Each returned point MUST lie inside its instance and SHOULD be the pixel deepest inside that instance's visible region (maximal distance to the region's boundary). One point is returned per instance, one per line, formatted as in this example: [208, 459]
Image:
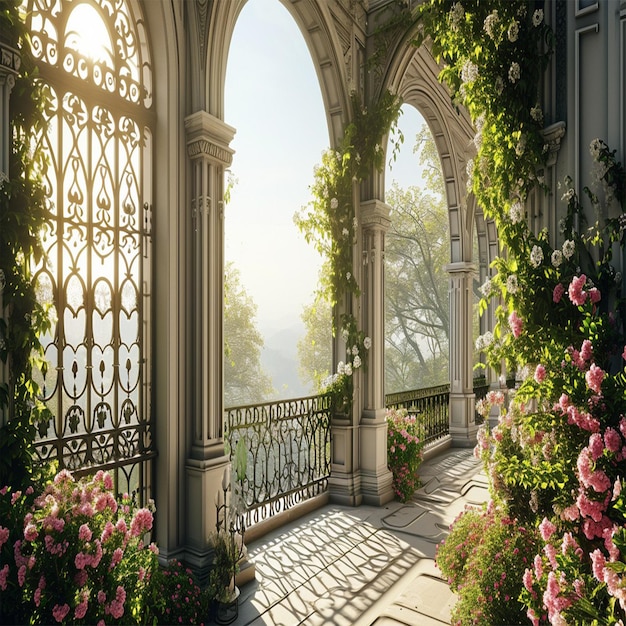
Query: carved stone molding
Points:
[552, 136]
[375, 213]
[209, 137]
[10, 59]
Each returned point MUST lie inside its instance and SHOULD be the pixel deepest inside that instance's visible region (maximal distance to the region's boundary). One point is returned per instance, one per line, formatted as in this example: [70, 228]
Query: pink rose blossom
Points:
[37, 596]
[594, 378]
[60, 611]
[540, 373]
[30, 532]
[107, 532]
[97, 557]
[596, 446]
[528, 580]
[81, 608]
[576, 294]
[4, 535]
[617, 489]
[558, 292]
[117, 557]
[101, 597]
[612, 440]
[624, 354]
[84, 533]
[546, 528]
[142, 521]
[4, 572]
[594, 295]
[516, 323]
[586, 350]
[63, 476]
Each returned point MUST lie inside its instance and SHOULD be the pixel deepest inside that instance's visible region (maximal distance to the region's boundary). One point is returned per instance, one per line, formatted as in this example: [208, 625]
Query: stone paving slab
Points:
[364, 566]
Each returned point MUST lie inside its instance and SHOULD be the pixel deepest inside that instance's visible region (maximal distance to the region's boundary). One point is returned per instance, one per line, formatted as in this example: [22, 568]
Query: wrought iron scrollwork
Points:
[288, 444]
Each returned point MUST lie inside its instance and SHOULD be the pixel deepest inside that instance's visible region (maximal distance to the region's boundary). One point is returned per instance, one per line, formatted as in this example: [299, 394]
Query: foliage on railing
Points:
[288, 444]
[431, 404]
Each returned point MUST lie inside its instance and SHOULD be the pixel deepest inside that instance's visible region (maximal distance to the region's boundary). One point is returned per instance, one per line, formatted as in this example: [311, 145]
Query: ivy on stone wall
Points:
[23, 215]
[329, 223]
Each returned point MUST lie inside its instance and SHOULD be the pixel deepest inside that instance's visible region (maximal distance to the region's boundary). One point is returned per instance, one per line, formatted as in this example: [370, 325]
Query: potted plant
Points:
[222, 588]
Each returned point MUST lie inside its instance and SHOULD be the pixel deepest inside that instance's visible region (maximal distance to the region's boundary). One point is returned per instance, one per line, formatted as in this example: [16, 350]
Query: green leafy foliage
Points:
[329, 223]
[23, 216]
[555, 459]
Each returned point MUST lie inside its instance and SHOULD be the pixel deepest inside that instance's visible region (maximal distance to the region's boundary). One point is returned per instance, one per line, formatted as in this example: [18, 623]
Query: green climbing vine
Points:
[329, 223]
[23, 215]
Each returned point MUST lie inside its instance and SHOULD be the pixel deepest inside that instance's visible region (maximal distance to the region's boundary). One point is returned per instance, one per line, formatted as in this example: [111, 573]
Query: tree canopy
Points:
[416, 299]
[244, 380]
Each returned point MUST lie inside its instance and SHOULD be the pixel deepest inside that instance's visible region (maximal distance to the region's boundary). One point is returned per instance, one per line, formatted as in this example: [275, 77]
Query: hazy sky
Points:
[274, 101]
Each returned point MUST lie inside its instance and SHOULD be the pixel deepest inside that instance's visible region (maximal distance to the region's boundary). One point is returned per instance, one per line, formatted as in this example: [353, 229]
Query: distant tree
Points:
[245, 382]
[315, 348]
[416, 298]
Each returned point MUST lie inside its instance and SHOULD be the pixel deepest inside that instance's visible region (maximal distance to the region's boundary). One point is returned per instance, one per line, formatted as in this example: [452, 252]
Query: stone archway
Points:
[412, 74]
[336, 46]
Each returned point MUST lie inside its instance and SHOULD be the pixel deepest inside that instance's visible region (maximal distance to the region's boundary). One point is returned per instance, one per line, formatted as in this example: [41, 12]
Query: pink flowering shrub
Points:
[404, 452]
[73, 554]
[176, 597]
[556, 458]
[484, 559]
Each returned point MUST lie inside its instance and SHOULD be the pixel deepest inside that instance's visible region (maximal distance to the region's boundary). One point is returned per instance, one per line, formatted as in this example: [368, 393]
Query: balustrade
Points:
[288, 447]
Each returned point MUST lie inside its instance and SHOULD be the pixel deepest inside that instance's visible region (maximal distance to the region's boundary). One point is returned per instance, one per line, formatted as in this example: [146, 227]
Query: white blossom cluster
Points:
[516, 212]
[513, 31]
[491, 23]
[484, 341]
[515, 72]
[569, 247]
[512, 285]
[536, 256]
[457, 14]
[469, 72]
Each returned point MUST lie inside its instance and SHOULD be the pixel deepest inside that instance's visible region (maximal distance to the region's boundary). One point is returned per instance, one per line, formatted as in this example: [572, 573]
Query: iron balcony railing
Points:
[288, 448]
[288, 444]
[431, 404]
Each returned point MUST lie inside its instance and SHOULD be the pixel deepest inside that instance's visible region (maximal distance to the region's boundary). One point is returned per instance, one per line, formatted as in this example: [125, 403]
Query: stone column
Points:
[208, 140]
[10, 62]
[462, 416]
[376, 479]
[344, 484]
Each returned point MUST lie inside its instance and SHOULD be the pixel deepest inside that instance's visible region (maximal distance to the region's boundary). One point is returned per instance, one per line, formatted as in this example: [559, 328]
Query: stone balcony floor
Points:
[366, 565]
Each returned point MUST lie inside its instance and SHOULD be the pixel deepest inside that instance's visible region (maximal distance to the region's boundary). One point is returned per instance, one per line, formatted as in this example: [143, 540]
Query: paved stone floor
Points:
[362, 566]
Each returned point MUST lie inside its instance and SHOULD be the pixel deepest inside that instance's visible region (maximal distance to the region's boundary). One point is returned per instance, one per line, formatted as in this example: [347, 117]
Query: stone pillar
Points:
[208, 140]
[463, 427]
[10, 62]
[344, 484]
[376, 479]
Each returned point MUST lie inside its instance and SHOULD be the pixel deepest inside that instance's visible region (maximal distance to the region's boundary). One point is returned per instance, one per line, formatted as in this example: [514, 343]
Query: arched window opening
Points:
[417, 318]
[93, 58]
[276, 106]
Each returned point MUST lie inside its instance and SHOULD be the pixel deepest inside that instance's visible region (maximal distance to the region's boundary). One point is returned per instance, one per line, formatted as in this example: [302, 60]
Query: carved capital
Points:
[375, 215]
[209, 137]
[552, 136]
[10, 60]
